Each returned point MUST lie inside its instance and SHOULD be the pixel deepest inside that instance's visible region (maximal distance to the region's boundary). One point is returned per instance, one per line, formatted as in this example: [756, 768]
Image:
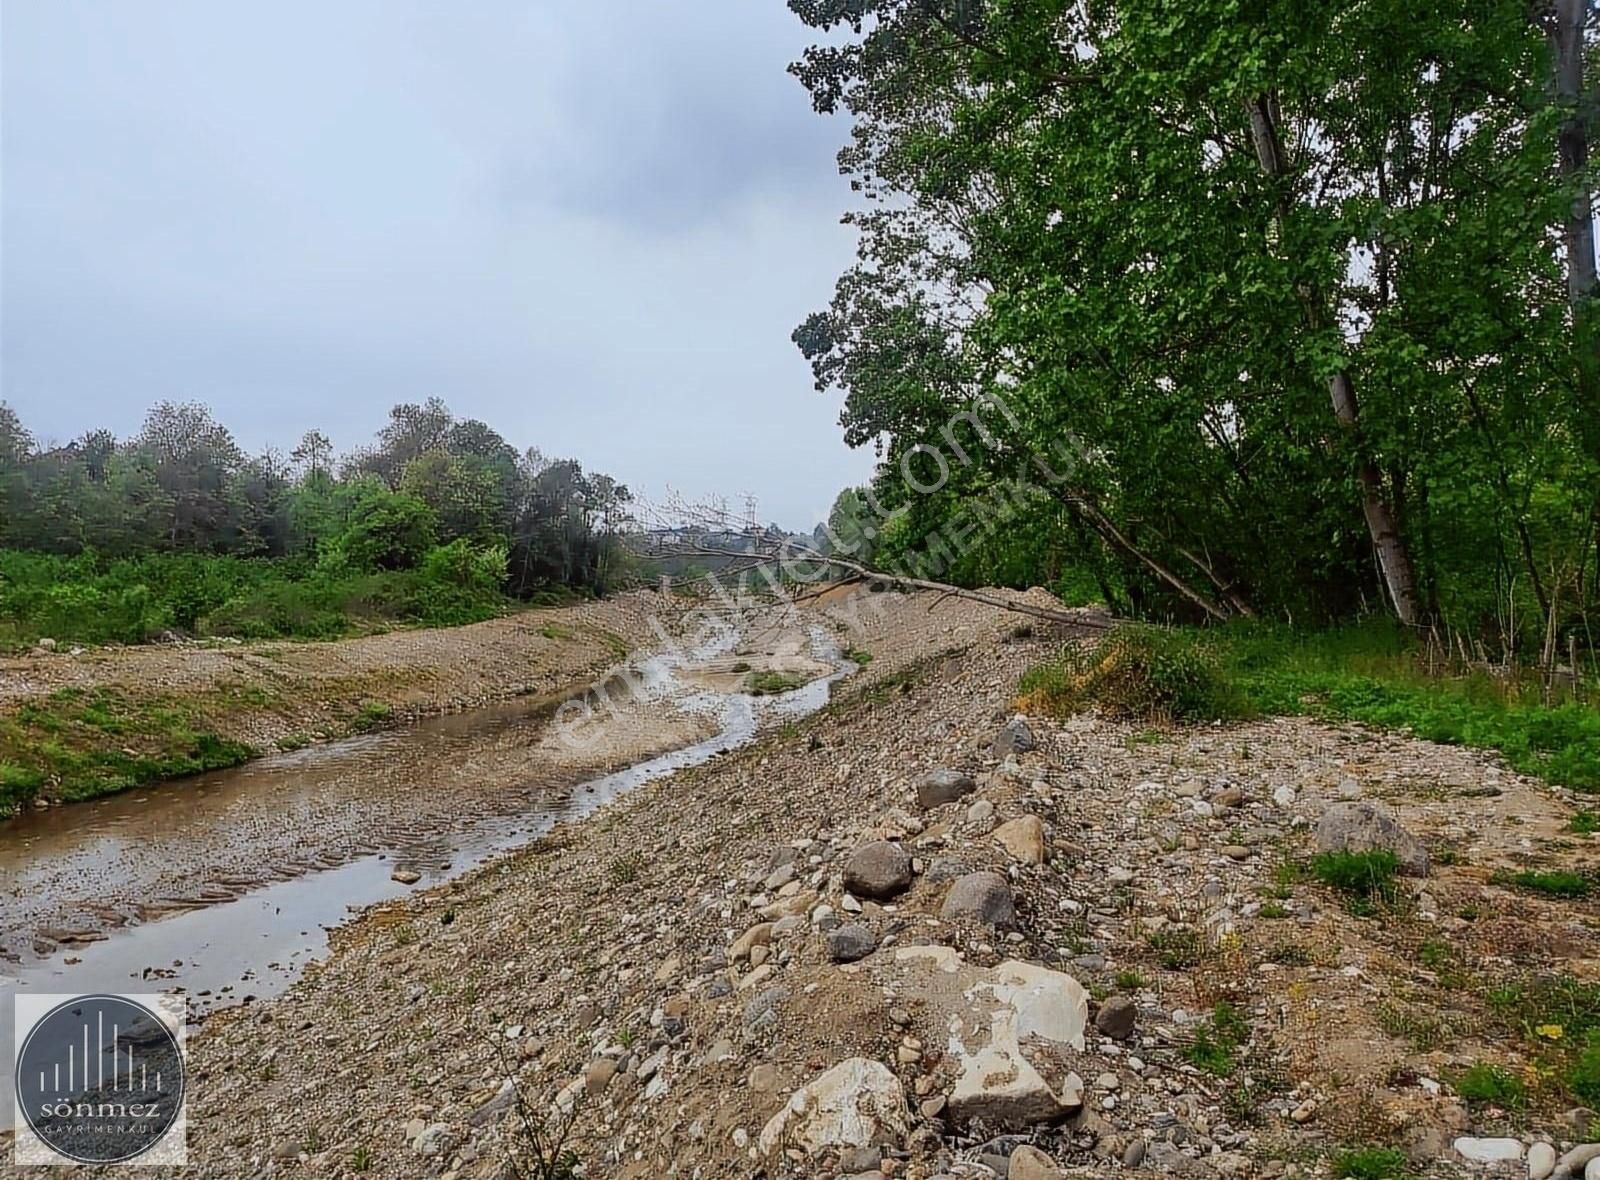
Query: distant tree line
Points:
[447, 501]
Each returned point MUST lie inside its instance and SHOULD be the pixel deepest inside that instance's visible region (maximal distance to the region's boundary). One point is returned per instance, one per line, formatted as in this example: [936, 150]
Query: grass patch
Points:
[625, 869]
[84, 743]
[1366, 879]
[1177, 948]
[1216, 1041]
[372, 715]
[1492, 1086]
[1375, 673]
[1369, 1163]
[858, 657]
[1584, 823]
[1372, 673]
[770, 683]
[1557, 883]
[557, 631]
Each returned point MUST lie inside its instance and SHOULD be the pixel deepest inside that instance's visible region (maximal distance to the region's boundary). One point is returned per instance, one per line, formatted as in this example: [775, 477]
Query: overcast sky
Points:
[591, 223]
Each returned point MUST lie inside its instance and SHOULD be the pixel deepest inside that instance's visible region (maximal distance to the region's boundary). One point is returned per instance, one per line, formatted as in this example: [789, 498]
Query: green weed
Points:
[1369, 1163]
[1558, 883]
[1366, 879]
[1492, 1085]
[771, 683]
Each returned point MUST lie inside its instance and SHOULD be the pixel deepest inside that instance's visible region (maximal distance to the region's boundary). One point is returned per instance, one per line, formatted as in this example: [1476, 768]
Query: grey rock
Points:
[1117, 1017]
[984, 896]
[879, 870]
[1134, 1156]
[850, 943]
[1014, 738]
[942, 786]
[945, 868]
[762, 1008]
[1365, 827]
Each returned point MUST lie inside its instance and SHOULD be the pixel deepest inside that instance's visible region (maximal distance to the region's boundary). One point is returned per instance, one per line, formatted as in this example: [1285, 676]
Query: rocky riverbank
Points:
[917, 936]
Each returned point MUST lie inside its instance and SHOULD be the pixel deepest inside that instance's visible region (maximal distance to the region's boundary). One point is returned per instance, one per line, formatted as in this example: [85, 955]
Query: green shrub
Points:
[1216, 1041]
[1369, 1163]
[86, 600]
[772, 683]
[1492, 1085]
[1137, 673]
[1584, 823]
[1365, 878]
[1559, 883]
[1177, 948]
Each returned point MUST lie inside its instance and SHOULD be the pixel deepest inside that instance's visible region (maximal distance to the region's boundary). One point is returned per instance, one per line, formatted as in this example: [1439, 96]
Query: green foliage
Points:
[1370, 1163]
[1118, 256]
[1215, 1042]
[1365, 878]
[88, 743]
[387, 531]
[1582, 1076]
[1136, 673]
[1560, 883]
[1491, 1084]
[1177, 948]
[770, 683]
[176, 530]
[858, 656]
[1373, 673]
[1584, 823]
[85, 599]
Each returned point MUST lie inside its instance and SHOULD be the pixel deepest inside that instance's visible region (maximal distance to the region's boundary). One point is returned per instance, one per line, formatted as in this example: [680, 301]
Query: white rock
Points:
[1488, 1151]
[1013, 1031]
[857, 1103]
[1283, 796]
[1541, 1161]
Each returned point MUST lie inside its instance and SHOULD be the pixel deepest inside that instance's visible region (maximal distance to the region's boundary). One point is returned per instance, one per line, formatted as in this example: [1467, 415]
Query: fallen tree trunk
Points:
[780, 555]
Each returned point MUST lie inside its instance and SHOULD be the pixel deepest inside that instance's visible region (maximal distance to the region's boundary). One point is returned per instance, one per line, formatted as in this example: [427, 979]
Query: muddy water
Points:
[224, 886]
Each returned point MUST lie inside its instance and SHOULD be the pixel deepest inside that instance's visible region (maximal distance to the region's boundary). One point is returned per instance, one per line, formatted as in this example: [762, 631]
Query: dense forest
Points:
[177, 530]
[1294, 302]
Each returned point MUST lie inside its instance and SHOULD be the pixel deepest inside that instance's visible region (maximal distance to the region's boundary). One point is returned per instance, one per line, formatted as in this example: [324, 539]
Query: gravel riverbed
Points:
[817, 957]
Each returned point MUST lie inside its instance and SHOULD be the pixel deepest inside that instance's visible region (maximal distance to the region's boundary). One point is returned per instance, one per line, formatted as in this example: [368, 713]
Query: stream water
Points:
[223, 887]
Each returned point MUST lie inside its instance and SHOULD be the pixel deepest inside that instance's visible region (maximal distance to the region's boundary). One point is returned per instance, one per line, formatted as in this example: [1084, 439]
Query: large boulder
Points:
[879, 870]
[1366, 827]
[1014, 1035]
[982, 897]
[938, 787]
[1014, 738]
[857, 1103]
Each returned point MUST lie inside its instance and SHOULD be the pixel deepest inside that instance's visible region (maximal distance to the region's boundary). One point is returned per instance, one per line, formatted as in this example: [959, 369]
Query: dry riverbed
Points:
[1013, 968]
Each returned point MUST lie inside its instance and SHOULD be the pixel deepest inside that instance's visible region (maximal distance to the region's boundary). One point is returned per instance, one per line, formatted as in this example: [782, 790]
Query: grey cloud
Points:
[592, 224]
